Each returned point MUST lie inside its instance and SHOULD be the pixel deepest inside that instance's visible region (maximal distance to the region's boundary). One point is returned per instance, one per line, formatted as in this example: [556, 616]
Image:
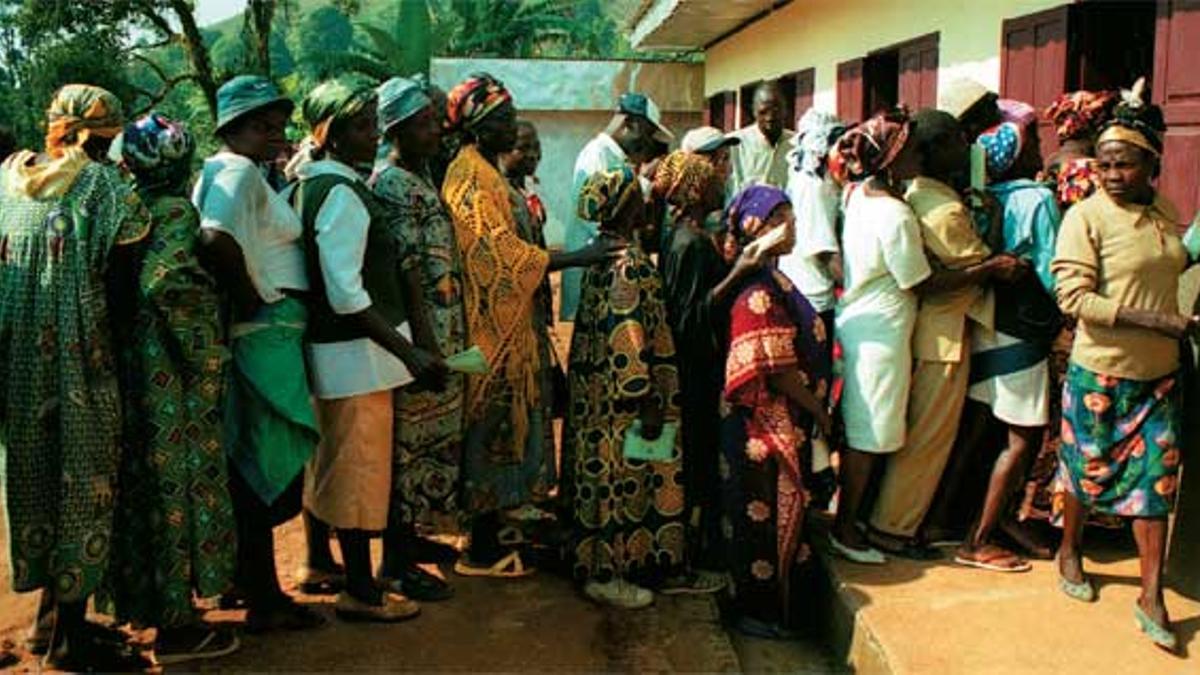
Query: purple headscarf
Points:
[751, 207]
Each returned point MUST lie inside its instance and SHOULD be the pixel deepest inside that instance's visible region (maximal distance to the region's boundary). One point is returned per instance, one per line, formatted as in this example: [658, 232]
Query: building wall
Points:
[814, 33]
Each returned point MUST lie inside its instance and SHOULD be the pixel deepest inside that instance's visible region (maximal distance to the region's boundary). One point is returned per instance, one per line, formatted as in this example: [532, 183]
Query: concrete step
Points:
[939, 617]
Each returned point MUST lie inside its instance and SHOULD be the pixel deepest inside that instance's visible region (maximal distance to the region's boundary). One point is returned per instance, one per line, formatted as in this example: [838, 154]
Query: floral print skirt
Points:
[1120, 449]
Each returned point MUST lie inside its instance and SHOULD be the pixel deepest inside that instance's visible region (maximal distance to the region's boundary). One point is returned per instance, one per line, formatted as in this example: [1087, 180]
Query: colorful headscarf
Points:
[751, 208]
[1080, 114]
[158, 152]
[604, 193]
[1136, 122]
[816, 132]
[682, 177]
[873, 145]
[78, 112]
[1003, 143]
[473, 99]
[333, 100]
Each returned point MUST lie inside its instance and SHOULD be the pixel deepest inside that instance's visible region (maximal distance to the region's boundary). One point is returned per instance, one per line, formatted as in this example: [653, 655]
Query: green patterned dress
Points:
[174, 534]
[60, 417]
[429, 425]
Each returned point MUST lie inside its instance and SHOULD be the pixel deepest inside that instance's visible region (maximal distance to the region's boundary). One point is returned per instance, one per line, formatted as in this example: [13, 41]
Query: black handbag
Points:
[1026, 311]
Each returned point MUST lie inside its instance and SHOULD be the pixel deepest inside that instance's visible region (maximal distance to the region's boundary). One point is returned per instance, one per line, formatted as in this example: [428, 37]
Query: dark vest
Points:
[380, 270]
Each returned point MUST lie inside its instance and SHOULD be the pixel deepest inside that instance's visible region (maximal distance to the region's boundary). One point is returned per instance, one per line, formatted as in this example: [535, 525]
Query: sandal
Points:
[511, 536]
[909, 549]
[418, 584]
[90, 656]
[1164, 637]
[425, 550]
[697, 582]
[392, 608]
[508, 567]
[38, 641]
[988, 557]
[862, 556]
[212, 644]
[1083, 591]
[316, 581]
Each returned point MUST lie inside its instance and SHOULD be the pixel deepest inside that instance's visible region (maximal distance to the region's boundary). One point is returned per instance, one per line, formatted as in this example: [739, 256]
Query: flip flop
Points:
[508, 567]
[511, 536]
[988, 562]
[1163, 637]
[215, 644]
[316, 581]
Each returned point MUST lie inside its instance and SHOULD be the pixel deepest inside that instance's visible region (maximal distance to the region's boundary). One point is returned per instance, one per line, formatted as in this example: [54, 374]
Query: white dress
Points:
[883, 257]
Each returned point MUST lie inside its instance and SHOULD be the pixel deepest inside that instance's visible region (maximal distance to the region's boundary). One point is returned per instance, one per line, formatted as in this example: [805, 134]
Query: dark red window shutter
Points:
[1177, 90]
[1033, 63]
[850, 90]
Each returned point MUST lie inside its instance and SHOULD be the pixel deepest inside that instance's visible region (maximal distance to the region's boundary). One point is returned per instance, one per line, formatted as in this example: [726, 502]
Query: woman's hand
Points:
[428, 368]
[603, 248]
[1177, 325]
[1007, 267]
[652, 419]
[824, 422]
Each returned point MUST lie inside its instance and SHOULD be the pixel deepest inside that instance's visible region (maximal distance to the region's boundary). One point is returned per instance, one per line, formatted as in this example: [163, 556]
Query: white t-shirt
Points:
[234, 197]
[882, 253]
[817, 204]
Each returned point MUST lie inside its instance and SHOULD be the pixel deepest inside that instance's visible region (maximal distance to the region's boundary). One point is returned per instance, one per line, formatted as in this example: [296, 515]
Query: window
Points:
[797, 91]
[1070, 48]
[721, 109]
[746, 96]
[904, 73]
[1177, 90]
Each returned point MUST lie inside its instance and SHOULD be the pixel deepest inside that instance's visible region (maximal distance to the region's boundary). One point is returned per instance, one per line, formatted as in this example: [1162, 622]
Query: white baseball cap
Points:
[703, 140]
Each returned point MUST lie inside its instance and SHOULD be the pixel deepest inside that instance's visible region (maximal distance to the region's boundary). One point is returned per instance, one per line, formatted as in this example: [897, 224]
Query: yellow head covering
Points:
[77, 113]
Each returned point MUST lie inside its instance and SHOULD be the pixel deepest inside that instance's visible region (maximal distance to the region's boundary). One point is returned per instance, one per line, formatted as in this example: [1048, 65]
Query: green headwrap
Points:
[337, 99]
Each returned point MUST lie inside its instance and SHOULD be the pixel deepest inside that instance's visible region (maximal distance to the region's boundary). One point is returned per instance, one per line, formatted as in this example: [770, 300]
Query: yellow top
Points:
[1109, 256]
[952, 243]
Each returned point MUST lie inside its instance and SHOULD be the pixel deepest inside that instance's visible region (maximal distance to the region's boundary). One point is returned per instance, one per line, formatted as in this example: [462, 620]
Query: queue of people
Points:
[759, 319]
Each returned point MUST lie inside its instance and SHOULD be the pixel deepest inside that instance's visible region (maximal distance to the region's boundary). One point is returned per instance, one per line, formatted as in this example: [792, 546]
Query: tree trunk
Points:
[197, 52]
[260, 14]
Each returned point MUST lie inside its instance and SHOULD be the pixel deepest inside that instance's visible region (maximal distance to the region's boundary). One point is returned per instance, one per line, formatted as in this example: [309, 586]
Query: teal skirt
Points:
[270, 428]
[1120, 448]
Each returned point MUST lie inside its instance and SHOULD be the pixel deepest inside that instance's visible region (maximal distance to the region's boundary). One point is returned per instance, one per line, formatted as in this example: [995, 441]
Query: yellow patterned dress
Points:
[627, 514]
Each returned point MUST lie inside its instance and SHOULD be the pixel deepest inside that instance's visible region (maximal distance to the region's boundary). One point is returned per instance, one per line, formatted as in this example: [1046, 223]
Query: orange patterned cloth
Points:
[502, 274]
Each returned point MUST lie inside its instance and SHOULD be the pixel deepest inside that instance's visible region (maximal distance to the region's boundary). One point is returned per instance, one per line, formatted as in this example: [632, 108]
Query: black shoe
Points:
[94, 656]
[417, 584]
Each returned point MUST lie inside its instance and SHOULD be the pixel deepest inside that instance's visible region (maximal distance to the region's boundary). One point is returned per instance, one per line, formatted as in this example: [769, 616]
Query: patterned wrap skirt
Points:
[1120, 450]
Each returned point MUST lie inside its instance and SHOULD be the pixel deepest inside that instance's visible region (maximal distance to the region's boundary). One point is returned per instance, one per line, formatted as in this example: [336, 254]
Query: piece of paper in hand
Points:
[470, 361]
[978, 166]
[661, 449]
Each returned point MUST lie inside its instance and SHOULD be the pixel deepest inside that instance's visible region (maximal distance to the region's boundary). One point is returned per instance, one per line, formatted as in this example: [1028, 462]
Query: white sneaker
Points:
[619, 593]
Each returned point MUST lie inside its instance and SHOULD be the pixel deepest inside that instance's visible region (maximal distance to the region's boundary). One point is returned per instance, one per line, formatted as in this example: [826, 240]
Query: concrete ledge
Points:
[938, 617]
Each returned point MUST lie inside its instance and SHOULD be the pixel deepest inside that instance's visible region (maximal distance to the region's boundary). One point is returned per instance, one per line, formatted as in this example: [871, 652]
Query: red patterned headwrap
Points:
[871, 146]
[1080, 114]
[473, 99]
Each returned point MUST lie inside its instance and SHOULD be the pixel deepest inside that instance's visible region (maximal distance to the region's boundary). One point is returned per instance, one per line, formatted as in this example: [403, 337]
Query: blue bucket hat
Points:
[247, 93]
[399, 99]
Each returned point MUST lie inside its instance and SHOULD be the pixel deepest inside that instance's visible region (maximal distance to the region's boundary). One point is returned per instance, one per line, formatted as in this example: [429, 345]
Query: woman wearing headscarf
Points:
[776, 379]
[815, 264]
[429, 424]
[508, 453]
[1117, 267]
[66, 221]
[883, 262]
[252, 240]
[174, 535]
[1010, 369]
[698, 286]
[627, 532]
[1077, 117]
[356, 344]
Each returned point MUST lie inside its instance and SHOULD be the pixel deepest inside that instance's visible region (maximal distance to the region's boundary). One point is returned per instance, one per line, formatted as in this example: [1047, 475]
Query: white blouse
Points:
[233, 197]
